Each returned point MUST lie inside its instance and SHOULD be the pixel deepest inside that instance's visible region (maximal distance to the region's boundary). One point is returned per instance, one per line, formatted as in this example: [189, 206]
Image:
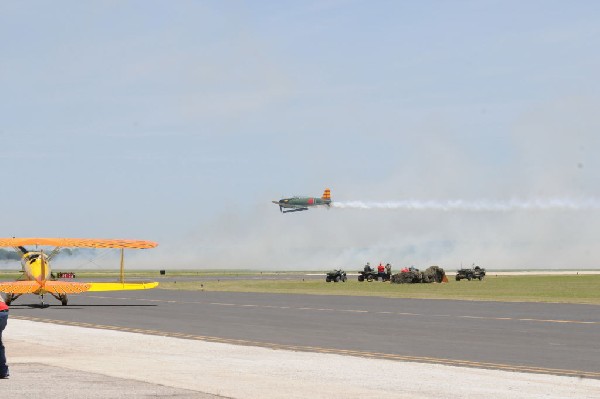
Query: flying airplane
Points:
[296, 204]
[37, 275]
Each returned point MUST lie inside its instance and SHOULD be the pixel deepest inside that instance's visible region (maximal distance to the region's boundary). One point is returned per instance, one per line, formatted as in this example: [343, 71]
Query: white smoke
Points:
[476, 205]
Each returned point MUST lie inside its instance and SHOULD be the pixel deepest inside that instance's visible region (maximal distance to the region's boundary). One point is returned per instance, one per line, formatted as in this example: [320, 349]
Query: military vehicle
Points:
[475, 272]
[297, 204]
[336, 276]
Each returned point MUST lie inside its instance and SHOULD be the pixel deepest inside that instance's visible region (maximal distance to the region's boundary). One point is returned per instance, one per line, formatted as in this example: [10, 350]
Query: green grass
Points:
[566, 289]
[548, 288]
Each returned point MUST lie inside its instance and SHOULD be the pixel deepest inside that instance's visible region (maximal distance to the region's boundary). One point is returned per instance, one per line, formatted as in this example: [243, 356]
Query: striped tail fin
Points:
[326, 194]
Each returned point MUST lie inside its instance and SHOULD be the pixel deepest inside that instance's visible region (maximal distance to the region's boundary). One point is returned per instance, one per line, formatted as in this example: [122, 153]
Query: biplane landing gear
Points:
[42, 304]
[62, 298]
[10, 298]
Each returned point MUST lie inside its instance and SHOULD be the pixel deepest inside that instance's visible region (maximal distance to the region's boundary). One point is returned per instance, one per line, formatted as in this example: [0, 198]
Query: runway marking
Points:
[584, 322]
[346, 352]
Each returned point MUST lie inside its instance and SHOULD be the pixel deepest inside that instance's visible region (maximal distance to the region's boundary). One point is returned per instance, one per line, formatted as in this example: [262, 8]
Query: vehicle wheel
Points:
[369, 279]
[469, 278]
[64, 301]
[361, 278]
[337, 279]
[328, 279]
[480, 278]
[344, 279]
[457, 278]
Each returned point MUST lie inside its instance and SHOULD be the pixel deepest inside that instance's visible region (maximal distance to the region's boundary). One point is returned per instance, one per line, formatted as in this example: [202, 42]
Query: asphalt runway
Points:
[559, 339]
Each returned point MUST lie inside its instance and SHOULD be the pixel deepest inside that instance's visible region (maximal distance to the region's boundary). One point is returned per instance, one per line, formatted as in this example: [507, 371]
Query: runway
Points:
[559, 339]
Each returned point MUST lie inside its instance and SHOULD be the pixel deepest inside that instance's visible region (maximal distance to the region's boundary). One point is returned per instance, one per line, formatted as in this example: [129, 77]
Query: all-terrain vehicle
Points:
[368, 275]
[373, 275]
[336, 276]
[475, 272]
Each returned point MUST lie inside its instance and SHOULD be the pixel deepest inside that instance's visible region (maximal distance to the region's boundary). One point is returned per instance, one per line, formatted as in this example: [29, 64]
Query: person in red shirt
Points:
[381, 271]
[3, 320]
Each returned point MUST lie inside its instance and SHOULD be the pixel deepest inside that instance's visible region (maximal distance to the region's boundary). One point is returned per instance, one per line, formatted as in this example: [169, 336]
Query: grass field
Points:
[567, 289]
[536, 288]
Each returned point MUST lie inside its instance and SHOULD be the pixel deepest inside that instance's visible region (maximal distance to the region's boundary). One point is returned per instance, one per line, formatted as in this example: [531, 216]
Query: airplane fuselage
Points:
[296, 202]
[36, 266]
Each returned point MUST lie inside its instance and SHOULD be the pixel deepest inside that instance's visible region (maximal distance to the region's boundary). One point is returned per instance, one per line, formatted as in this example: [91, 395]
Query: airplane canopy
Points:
[78, 242]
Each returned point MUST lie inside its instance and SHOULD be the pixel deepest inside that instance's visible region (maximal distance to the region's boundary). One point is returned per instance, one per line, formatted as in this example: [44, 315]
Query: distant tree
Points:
[9, 254]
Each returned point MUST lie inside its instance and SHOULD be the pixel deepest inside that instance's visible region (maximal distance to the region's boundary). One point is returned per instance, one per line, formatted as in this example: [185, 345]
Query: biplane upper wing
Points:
[78, 242]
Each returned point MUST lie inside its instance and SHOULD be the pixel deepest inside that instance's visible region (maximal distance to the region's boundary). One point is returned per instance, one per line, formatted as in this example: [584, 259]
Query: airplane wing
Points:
[19, 287]
[69, 287]
[65, 287]
[77, 242]
[121, 286]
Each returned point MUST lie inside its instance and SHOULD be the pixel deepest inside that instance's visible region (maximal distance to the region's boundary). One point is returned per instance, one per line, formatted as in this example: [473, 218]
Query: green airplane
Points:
[296, 204]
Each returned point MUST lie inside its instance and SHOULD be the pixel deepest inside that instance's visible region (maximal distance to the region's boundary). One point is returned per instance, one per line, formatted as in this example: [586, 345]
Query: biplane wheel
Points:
[64, 301]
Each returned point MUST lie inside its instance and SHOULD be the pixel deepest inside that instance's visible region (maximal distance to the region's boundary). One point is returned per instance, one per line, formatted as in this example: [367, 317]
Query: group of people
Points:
[382, 271]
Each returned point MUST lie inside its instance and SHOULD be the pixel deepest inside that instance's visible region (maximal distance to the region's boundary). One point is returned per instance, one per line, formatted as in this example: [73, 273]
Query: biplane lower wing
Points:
[19, 287]
[67, 287]
[121, 286]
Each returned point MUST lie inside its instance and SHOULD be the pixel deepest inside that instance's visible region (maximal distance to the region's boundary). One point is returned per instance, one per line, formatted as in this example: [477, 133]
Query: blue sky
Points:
[179, 122]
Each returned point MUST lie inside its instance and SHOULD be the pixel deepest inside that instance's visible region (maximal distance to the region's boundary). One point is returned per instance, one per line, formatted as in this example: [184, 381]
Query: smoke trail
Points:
[476, 205]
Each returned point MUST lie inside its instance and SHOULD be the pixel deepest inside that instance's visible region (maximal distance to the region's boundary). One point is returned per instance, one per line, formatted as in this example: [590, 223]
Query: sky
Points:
[179, 122]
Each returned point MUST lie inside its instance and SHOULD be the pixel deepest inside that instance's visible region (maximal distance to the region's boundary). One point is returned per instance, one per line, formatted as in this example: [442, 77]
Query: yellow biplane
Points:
[38, 278]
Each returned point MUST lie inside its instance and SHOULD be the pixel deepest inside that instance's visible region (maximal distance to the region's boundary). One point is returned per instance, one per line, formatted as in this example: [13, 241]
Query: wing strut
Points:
[54, 252]
[122, 266]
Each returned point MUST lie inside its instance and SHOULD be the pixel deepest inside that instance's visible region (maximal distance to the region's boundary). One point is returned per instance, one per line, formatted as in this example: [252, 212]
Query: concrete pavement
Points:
[66, 361]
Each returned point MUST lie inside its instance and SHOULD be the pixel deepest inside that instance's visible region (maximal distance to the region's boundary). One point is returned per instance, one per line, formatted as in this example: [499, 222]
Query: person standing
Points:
[3, 320]
[388, 271]
[381, 271]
